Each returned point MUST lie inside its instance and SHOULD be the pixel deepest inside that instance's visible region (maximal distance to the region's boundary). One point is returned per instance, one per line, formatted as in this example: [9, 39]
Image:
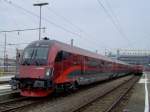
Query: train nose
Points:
[32, 72]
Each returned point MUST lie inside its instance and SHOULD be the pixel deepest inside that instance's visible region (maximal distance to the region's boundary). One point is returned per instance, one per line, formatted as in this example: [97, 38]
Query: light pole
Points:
[72, 41]
[5, 51]
[40, 5]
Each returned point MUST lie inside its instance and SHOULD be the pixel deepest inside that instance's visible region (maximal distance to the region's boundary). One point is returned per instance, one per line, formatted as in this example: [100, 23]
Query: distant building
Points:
[9, 62]
[136, 57]
[1, 62]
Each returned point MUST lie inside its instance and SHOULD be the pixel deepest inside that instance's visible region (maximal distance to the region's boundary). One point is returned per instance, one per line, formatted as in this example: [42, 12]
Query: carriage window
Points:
[59, 56]
[66, 55]
[62, 55]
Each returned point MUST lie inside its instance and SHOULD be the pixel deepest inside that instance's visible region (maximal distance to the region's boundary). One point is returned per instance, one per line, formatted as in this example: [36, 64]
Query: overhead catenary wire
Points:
[64, 18]
[20, 30]
[113, 14]
[114, 22]
[92, 41]
[47, 20]
[13, 20]
[43, 18]
[75, 26]
[81, 31]
[57, 14]
[9, 44]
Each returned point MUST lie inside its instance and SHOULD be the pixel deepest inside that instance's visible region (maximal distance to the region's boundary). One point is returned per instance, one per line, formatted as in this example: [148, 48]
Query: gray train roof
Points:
[73, 49]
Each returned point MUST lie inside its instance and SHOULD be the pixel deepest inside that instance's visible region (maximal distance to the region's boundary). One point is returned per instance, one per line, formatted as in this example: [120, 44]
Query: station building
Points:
[135, 57]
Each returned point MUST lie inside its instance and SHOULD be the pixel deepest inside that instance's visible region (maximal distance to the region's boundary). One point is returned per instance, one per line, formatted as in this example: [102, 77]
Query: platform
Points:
[6, 78]
[139, 101]
[4, 89]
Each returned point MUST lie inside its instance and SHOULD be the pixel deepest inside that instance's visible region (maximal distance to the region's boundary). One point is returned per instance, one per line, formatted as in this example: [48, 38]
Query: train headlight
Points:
[48, 72]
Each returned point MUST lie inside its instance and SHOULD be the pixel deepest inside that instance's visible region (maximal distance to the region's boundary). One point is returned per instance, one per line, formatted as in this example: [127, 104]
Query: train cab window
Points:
[41, 53]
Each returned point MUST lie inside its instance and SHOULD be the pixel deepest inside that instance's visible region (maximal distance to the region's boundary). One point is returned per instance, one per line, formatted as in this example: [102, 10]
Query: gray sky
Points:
[93, 28]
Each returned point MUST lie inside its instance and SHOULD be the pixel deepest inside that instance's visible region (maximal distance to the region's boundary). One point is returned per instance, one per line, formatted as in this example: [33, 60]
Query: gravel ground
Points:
[70, 102]
[121, 106]
[8, 95]
[100, 105]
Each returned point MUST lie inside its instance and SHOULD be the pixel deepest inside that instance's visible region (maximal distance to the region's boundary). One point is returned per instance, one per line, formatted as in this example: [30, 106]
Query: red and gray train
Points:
[47, 65]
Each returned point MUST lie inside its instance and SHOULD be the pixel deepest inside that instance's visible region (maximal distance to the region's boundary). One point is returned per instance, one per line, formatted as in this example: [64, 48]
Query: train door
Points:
[62, 62]
[82, 65]
[58, 66]
[66, 60]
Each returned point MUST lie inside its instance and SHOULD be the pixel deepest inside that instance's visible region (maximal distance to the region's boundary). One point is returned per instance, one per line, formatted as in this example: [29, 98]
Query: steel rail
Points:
[29, 103]
[86, 104]
[13, 100]
[120, 97]
[13, 108]
[4, 82]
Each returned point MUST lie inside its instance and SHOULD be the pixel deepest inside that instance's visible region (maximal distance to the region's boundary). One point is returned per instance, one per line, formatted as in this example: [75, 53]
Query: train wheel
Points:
[71, 87]
[74, 86]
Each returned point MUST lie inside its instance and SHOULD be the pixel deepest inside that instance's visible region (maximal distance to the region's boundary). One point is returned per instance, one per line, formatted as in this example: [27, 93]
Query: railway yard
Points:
[56, 77]
[74, 56]
[117, 95]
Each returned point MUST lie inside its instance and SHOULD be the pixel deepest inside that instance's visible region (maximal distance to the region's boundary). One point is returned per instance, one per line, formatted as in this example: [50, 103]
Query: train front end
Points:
[35, 71]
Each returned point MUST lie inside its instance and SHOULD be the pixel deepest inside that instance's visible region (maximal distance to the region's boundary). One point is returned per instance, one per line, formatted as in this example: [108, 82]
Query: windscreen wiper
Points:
[25, 62]
[31, 56]
[37, 62]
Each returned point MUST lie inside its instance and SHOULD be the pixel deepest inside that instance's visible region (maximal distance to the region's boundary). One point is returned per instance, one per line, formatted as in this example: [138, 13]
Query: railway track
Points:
[118, 100]
[80, 101]
[8, 94]
[12, 100]
[4, 82]
[109, 100]
[17, 103]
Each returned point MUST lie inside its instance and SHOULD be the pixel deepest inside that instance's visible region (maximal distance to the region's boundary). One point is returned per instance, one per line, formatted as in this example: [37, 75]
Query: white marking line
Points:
[6, 78]
[142, 80]
[146, 95]
[2, 87]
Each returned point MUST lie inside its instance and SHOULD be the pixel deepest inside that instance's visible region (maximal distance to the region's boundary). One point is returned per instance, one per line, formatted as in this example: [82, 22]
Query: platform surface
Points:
[5, 89]
[139, 101]
[6, 78]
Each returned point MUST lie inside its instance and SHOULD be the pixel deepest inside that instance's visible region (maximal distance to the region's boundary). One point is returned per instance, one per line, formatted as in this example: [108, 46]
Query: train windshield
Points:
[35, 56]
